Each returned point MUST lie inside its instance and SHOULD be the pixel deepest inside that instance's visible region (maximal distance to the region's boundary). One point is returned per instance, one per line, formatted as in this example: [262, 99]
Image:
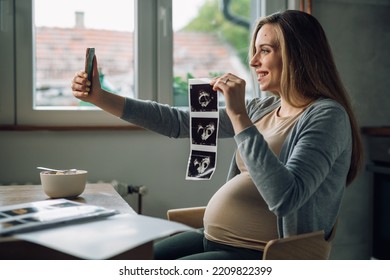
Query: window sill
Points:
[69, 128]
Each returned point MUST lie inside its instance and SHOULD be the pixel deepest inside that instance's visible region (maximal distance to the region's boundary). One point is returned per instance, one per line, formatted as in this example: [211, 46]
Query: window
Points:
[63, 34]
[149, 55]
[35, 89]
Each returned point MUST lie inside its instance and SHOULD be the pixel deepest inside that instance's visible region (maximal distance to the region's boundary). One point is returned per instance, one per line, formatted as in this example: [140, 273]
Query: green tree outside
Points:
[211, 19]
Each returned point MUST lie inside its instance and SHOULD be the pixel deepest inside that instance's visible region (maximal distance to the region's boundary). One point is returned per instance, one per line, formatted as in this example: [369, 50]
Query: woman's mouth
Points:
[261, 75]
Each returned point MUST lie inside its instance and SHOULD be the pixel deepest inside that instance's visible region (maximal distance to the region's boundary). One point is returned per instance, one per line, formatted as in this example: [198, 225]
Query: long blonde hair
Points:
[309, 69]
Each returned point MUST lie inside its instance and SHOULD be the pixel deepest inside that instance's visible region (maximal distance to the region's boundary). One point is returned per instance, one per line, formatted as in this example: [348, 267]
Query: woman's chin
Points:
[263, 87]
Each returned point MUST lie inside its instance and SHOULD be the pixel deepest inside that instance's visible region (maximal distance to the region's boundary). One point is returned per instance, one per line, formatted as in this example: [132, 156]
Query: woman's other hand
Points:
[84, 89]
[92, 92]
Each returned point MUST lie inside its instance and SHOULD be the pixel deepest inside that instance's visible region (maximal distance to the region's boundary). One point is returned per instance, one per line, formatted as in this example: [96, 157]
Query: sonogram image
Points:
[203, 98]
[202, 164]
[204, 131]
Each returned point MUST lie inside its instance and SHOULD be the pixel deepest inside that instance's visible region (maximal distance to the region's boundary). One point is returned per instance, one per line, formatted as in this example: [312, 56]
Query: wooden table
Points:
[96, 194]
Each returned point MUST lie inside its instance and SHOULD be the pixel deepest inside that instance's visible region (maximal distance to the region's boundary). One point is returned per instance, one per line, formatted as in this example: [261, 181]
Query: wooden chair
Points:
[308, 246]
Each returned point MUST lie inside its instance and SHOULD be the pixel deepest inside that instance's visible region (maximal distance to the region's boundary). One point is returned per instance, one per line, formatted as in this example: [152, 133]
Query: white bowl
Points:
[60, 185]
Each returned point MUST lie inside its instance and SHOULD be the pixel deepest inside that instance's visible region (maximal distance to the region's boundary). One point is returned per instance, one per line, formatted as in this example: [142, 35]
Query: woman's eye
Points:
[264, 51]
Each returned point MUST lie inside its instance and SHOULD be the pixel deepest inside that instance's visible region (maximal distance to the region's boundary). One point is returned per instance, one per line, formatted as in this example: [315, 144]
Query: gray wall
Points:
[359, 35]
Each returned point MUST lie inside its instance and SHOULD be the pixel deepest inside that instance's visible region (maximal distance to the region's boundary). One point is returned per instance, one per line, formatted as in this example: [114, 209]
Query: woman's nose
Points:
[255, 61]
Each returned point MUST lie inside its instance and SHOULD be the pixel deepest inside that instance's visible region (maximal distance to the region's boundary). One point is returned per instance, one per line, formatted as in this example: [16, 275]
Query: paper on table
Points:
[24, 217]
[104, 239]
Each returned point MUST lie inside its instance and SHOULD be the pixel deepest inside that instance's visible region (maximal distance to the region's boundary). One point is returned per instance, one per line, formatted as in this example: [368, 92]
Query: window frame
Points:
[7, 74]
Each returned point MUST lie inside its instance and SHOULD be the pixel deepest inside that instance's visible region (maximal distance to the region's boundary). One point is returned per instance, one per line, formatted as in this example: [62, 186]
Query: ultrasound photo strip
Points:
[204, 120]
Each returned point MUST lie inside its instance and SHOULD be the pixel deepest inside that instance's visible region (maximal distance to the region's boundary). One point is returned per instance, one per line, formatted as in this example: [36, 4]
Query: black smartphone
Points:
[89, 54]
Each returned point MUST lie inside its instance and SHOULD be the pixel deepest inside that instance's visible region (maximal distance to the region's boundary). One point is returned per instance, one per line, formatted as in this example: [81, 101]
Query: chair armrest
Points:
[190, 216]
[308, 246]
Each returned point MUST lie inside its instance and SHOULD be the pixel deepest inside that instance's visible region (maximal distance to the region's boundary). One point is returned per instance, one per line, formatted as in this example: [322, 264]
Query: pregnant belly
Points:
[237, 215]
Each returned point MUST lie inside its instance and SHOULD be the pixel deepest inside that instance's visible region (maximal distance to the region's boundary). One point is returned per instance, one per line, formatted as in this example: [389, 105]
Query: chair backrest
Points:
[191, 216]
[333, 232]
[308, 246]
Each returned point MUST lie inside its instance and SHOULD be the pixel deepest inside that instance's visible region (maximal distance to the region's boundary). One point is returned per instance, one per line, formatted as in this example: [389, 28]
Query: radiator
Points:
[125, 189]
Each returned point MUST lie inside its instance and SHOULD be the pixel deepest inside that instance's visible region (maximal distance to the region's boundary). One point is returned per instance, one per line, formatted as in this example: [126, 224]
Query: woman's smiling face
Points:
[267, 59]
